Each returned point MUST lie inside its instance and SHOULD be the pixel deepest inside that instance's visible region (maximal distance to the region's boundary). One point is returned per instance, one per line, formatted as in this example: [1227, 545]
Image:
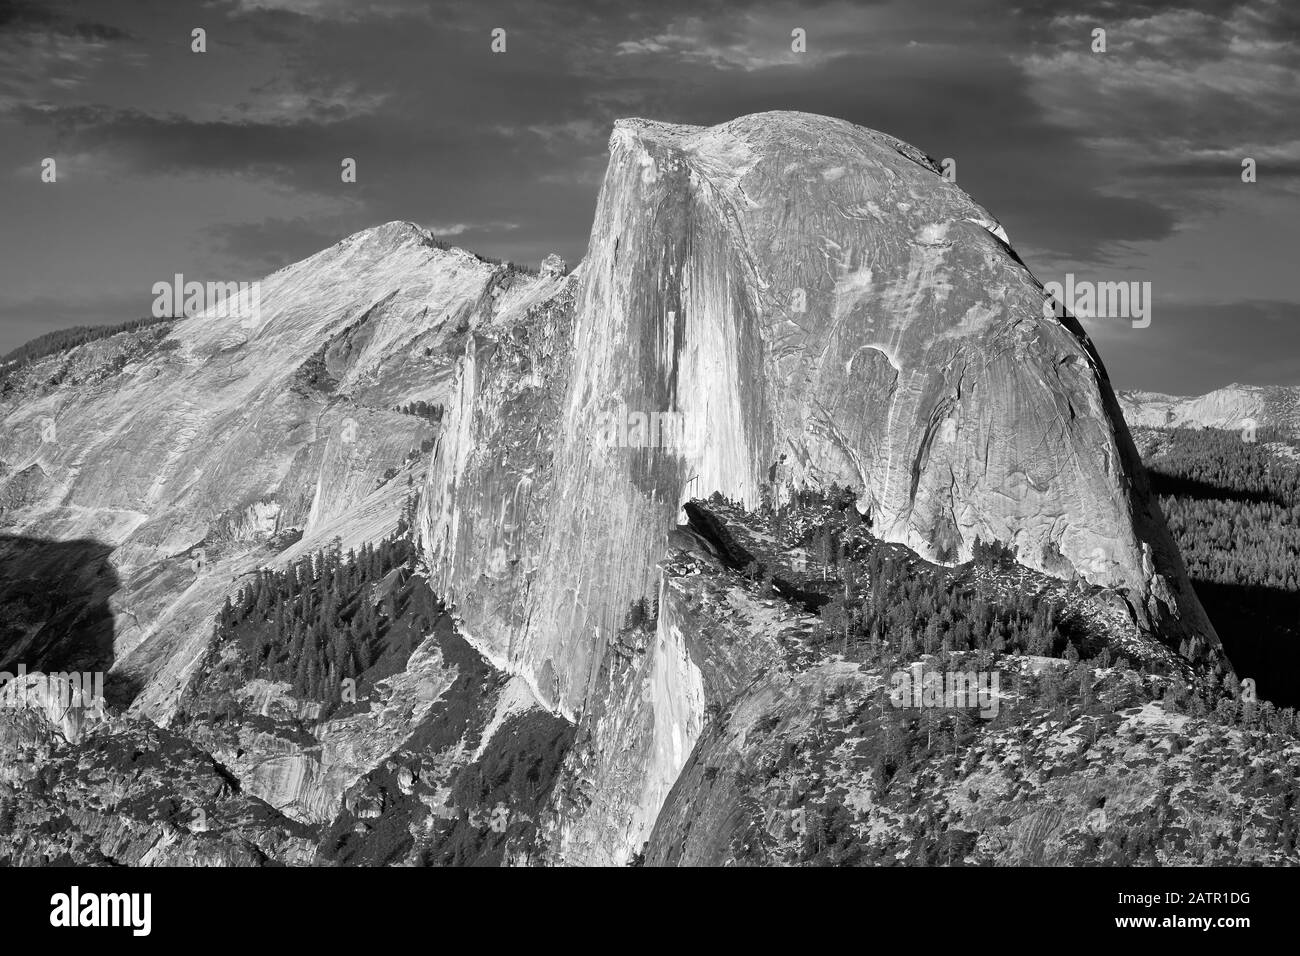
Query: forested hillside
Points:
[329, 618]
[61, 340]
[1233, 507]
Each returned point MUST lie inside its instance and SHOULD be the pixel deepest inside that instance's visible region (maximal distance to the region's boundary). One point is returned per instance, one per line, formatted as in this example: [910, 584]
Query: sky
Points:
[1123, 165]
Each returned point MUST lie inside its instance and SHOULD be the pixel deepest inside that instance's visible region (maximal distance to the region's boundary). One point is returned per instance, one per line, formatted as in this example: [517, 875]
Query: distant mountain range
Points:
[1232, 407]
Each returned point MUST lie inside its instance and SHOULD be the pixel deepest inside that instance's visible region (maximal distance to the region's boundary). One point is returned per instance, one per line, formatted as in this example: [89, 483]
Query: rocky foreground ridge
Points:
[809, 304]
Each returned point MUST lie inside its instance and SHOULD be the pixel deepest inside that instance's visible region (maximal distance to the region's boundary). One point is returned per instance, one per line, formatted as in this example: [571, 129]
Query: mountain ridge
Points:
[1234, 406]
[811, 297]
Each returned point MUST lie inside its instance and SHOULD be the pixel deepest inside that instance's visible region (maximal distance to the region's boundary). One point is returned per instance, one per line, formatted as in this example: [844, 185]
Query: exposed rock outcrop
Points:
[807, 302]
[187, 456]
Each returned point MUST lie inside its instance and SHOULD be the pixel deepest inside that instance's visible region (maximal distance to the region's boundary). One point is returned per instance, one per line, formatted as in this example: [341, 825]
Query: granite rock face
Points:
[145, 476]
[186, 456]
[781, 301]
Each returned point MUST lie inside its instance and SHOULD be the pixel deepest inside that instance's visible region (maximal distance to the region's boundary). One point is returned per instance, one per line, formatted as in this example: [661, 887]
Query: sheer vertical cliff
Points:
[807, 302]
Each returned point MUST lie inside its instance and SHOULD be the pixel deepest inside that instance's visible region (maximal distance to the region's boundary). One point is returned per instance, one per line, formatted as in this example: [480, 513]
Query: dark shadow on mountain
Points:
[707, 525]
[1249, 619]
[54, 604]
[807, 594]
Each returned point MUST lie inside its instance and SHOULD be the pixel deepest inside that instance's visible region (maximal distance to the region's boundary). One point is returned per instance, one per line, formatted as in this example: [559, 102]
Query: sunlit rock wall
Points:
[809, 302]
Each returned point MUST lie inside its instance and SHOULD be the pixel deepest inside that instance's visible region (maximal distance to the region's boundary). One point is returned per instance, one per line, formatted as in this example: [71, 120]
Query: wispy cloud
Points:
[460, 228]
[342, 10]
[1127, 161]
